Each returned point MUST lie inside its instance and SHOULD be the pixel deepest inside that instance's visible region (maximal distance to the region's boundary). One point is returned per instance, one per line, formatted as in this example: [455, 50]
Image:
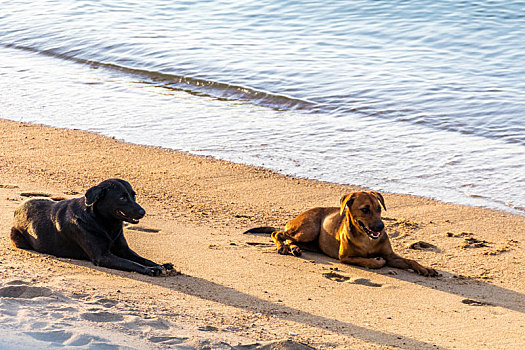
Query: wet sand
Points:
[235, 291]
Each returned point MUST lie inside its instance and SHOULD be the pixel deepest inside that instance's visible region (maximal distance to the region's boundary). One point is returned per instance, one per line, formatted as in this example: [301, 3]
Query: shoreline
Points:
[510, 209]
[139, 114]
[236, 286]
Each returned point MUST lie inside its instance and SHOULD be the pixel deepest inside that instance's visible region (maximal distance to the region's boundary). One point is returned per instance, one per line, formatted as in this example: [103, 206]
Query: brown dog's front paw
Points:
[427, 272]
[296, 251]
[376, 263]
[283, 249]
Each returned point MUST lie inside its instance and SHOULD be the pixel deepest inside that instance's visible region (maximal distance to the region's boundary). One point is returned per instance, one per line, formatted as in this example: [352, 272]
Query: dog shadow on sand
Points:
[470, 289]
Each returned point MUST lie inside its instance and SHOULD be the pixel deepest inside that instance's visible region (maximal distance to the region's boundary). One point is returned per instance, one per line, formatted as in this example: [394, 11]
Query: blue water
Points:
[402, 96]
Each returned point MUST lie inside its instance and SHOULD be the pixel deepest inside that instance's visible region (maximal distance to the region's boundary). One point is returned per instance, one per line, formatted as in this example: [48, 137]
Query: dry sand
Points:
[235, 291]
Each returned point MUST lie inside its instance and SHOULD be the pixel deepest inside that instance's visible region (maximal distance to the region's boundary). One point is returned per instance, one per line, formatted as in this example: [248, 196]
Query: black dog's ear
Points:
[347, 199]
[93, 194]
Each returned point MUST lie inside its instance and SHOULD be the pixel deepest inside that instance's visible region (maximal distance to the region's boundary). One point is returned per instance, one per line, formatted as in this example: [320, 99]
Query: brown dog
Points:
[353, 233]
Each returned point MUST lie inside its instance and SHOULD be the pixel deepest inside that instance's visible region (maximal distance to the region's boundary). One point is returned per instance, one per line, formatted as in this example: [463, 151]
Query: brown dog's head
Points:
[363, 210]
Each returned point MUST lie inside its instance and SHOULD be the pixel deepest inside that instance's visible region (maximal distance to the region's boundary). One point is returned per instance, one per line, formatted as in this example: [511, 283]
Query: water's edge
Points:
[405, 158]
[273, 171]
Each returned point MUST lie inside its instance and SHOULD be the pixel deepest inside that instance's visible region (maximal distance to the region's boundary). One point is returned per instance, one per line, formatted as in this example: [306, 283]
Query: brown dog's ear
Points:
[93, 194]
[347, 199]
[379, 197]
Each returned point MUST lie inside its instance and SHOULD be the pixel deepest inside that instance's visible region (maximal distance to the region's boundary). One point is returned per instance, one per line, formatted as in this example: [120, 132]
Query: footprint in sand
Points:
[334, 276]
[25, 292]
[146, 325]
[469, 241]
[399, 228]
[66, 338]
[83, 339]
[59, 336]
[284, 345]
[167, 340]
[472, 242]
[365, 282]
[50, 319]
[507, 246]
[107, 303]
[157, 324]
[421, 245]
[101, 316]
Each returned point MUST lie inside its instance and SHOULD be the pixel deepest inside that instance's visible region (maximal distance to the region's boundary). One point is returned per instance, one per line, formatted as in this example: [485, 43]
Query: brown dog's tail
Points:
[262, 229]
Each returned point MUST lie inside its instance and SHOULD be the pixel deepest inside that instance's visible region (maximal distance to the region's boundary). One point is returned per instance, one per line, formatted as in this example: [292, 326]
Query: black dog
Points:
[86, 228]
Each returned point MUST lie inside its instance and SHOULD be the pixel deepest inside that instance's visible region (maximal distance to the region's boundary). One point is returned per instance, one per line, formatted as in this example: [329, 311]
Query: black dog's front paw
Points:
[164, 270]
[167, 266]
[154, 270]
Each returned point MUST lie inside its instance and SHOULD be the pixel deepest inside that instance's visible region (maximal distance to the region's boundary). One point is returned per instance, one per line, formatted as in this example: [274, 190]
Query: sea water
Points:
[417, 97]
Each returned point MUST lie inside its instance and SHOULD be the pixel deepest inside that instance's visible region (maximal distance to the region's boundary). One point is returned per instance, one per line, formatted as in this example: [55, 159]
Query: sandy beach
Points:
[235, 291]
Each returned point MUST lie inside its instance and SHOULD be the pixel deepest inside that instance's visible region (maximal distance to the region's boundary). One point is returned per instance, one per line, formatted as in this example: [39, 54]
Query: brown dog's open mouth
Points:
[370, 233]
[127, 218]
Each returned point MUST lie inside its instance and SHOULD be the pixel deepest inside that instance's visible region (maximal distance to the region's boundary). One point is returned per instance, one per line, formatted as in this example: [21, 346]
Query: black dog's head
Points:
[115, 199]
